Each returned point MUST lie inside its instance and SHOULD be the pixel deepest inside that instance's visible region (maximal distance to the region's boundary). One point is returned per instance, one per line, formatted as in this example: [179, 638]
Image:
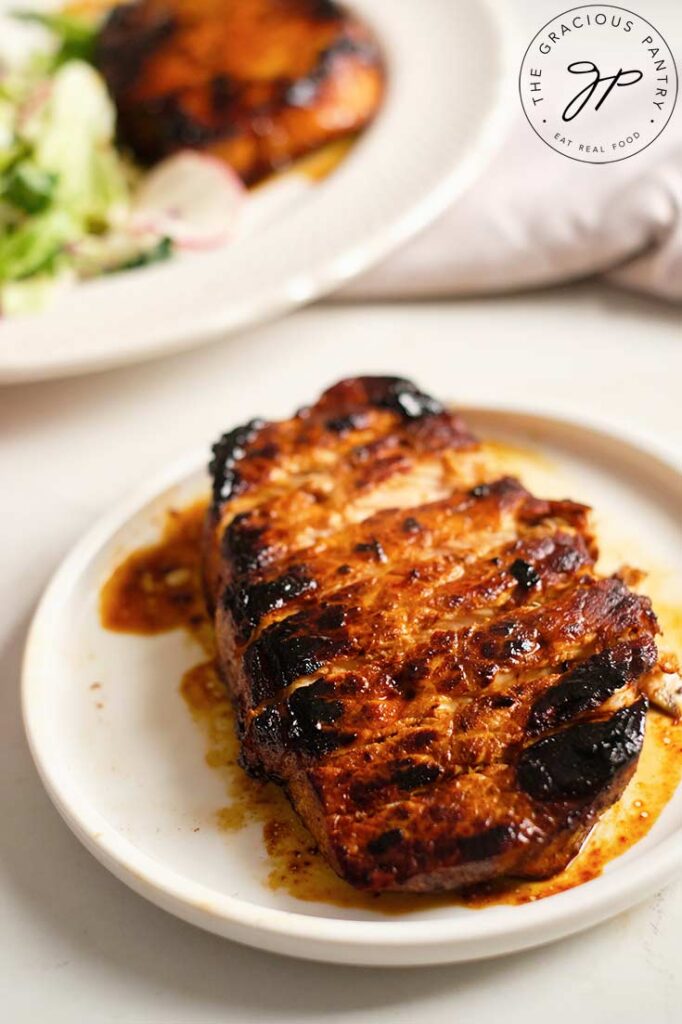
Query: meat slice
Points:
[422, 654]
[257, 83]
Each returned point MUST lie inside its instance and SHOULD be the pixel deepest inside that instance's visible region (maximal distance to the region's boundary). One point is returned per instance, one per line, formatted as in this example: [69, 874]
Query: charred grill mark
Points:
[568, 557]
[486, 844]
[159, 126]
[363, 791]
[381, 844]
[267, 729]
[583, 759]
[384, 780]
[227, 452]
[249, 603]
[294, 648]
[400, 396]
[505, 487]
[244, 546]
[589, 684]
[346, 424]
[373, 547]
[500, 700]
[507, 640]
[408, 775]
[410, 675]
[518, 646]
[524, 574]
[274, 663]
[421, 740]
[224, 91]
[334, 617]
[311, 710]
[411, 525]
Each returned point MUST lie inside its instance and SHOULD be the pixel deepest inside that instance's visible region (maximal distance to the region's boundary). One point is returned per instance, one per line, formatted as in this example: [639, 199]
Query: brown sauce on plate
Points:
[158, 588]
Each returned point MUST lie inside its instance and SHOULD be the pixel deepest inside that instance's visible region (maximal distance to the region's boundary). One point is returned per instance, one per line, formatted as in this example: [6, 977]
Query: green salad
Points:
[65, 189]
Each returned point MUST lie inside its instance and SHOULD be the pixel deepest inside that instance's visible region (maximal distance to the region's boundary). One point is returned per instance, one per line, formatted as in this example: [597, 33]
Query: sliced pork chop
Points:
[421, 654]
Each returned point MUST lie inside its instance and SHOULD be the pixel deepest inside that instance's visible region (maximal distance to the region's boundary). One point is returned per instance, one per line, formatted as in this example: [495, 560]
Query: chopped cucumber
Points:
[35, 245]
[65, 190]
[28, 187]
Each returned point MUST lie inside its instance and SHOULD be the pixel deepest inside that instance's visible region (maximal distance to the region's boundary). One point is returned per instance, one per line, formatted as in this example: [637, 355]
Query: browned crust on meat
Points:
[424, 657]
[257, 83]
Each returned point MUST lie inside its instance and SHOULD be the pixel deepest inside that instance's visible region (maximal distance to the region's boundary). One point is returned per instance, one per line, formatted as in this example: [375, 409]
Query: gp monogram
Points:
[598, 83]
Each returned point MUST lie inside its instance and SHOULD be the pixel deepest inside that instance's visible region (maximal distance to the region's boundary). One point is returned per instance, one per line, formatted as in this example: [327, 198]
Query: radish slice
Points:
[191, 198]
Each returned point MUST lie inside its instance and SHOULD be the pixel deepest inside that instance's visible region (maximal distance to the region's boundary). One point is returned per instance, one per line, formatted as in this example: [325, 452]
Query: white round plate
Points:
[130, 778]
[441, 119]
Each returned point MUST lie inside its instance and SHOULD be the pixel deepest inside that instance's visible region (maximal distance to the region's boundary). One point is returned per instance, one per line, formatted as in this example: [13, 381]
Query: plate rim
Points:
[296, 291]
[422, 940]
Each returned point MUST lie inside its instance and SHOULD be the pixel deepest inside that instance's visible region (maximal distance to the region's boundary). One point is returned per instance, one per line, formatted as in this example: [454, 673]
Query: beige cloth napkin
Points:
[537, 218]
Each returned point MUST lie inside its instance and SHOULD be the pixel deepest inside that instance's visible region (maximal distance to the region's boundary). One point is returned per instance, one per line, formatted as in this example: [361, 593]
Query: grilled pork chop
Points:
[255, 82]
[421, 654]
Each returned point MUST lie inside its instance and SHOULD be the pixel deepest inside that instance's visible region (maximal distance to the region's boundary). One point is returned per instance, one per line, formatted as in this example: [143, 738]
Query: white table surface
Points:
[75, 944]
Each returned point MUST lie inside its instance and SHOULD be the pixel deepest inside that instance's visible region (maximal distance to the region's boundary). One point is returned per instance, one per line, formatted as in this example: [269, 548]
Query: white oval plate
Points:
[130, 778]
[441, 119]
